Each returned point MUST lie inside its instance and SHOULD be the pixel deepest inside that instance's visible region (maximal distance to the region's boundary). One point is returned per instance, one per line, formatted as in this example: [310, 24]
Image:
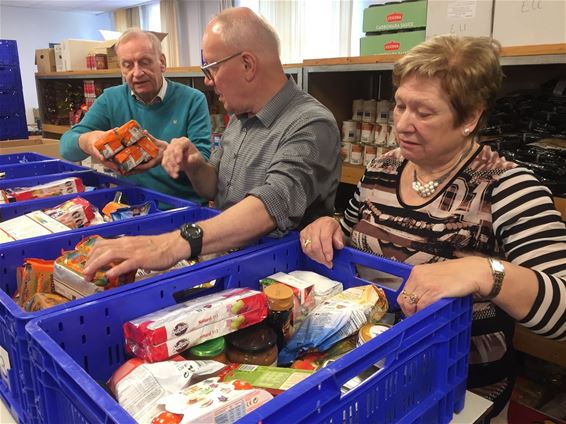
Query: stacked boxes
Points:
[12, 112]
[127, 146]
[393, 28]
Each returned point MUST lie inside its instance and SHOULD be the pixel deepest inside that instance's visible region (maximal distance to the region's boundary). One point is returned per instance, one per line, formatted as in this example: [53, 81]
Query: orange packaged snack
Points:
[130, 157]
[110, 145]
[130, 133]
[148, 146]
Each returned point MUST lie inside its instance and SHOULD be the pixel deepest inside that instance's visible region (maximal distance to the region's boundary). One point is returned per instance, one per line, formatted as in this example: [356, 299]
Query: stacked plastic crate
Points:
[12, 111]
[30, 169]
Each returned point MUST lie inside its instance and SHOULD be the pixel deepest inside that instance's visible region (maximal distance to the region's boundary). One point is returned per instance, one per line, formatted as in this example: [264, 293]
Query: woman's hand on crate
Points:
[320, 238]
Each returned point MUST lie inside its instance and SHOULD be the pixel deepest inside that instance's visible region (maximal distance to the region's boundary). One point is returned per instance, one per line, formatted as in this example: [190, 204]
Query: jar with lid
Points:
[213, 349]
[280, 305]
[254, 345]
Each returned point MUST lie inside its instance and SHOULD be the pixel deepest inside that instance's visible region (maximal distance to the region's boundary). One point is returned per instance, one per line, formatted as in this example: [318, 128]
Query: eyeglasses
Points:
[207, 68]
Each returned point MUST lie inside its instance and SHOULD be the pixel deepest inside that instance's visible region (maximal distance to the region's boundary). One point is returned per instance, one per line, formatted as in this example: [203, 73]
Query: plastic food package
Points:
[41, 301]
[75, 213]
[273, 379]
[35, 276]
[332, 321]
[139, 387]
[50, 189]
[176, 320]
[68, 275]
[324, 287]
[127, 146]
[159, 352]
[212, 401]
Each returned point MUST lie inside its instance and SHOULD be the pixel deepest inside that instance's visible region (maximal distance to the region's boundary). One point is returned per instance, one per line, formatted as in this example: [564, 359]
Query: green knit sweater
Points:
[183, 112]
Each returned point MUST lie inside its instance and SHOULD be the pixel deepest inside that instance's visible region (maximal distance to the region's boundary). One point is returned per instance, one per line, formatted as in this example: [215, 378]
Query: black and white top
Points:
[288, 156]
[491, 207]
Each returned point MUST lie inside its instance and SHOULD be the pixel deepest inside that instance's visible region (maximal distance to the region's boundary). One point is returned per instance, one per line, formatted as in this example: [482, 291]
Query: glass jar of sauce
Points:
[255, 345]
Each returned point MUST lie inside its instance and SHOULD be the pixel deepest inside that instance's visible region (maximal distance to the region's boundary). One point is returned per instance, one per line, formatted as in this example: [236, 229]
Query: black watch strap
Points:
[193, 234]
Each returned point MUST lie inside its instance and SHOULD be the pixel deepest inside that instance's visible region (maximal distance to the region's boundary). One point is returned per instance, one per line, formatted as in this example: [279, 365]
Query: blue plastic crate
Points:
[99, 198]
[47, 167]
[16, 388]
[11, 101]
[90, 178]
[9, 52]
[13, 126]
[10, 77]
[25, 157]
[424, 357]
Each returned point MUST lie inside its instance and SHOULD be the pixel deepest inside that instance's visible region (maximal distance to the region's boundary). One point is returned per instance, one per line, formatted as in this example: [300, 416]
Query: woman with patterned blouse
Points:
[470, 221]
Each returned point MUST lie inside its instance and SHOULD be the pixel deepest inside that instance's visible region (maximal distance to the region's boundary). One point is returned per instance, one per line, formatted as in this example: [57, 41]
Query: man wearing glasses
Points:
[278, 165]
[164, 108]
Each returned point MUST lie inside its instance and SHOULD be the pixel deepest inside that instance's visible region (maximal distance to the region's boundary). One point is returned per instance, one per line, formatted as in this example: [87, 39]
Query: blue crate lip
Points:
[24, 157]
[20, 396]
[89, 177]
[98, 198]
[47, 167]
[450, 318]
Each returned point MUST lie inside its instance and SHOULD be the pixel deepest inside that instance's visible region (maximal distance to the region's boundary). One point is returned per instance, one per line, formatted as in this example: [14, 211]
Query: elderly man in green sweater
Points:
[164, 108]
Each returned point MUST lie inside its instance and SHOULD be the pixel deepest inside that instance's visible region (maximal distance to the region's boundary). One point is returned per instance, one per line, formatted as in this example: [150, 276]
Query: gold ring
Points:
[413, 298]
[306, 242]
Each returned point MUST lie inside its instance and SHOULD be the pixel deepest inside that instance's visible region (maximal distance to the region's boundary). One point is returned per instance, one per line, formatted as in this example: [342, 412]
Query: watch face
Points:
[192, 231]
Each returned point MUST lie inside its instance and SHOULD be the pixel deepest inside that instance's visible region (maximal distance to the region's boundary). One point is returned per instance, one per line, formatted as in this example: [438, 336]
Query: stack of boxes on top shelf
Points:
[13, 124]
[369, 133]
[393, 27]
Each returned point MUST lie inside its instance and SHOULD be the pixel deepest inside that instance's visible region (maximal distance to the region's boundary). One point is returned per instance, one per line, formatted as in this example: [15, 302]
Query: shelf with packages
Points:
[337, 82]
[61, 93]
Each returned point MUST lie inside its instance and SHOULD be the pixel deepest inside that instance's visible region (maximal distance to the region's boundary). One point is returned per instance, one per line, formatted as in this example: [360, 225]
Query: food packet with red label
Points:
[159, 352]
[140, 387]
[50, 189]
[35, 276]
[176, 320]
[75, 213]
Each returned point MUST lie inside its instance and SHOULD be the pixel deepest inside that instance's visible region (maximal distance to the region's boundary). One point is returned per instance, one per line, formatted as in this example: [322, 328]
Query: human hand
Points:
[180, 155]
[143, 167]
[86, 143]
[452, 278]
[320, 238]
[130, 253]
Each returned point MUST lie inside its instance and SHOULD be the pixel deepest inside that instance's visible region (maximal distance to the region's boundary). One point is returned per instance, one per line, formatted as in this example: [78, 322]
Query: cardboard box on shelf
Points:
[44, 146]
[395, 16]
[59, 63]
[391, 42]
[45, 60]
[460, 17]
[527, 23]
[75, 52]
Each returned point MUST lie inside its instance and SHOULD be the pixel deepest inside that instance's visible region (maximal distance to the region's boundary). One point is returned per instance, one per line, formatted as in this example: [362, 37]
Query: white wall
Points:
[36, 28]
[193, 17]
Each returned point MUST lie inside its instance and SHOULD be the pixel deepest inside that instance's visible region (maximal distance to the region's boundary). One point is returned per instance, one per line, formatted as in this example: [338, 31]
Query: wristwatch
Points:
[498, 273]
[193, 234]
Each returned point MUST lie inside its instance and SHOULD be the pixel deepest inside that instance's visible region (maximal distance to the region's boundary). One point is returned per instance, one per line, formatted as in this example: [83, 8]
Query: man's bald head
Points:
[240, 28]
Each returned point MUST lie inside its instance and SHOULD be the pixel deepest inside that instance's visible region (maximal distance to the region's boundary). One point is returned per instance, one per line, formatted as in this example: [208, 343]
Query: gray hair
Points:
[131, 33]
[243, 29]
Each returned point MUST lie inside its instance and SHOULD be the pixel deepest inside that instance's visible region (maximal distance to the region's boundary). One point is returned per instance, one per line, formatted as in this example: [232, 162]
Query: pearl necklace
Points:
[428, 189]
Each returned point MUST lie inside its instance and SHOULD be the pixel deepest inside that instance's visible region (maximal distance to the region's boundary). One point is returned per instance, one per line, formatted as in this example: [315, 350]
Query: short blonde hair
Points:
[468, 69]
[139, 33]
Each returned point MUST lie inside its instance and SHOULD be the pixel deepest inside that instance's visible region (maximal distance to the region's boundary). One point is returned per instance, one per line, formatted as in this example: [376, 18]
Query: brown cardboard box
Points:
[45, 60]
[44, 146]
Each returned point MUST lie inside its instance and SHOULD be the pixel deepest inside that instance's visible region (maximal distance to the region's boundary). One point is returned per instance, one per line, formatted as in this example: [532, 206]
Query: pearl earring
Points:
[466, 131]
